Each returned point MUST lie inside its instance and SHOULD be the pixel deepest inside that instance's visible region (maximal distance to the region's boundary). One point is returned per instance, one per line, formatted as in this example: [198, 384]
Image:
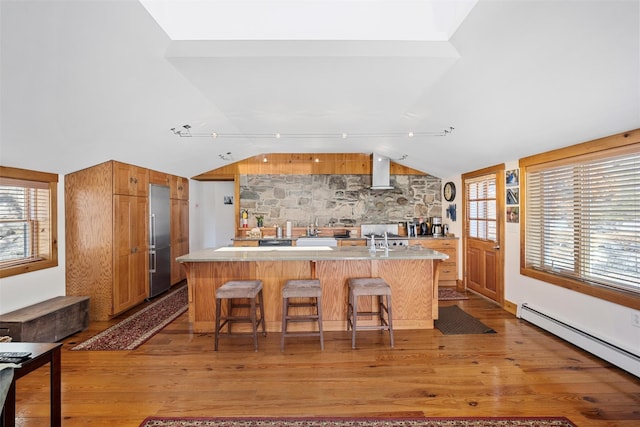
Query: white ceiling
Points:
[85, 82]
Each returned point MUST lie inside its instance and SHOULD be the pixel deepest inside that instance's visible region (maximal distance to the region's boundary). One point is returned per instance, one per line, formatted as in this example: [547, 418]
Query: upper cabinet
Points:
[179, 188]
[130, 180]
[159, 178]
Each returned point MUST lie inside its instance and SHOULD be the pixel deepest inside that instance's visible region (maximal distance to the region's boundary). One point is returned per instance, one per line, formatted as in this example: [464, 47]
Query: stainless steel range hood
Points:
[380, 166]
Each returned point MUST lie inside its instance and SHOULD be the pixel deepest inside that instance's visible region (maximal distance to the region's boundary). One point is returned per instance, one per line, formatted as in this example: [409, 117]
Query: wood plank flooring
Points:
[520, 371]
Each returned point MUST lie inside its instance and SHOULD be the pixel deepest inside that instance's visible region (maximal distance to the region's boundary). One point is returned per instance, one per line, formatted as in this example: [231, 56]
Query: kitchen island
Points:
[412, 274]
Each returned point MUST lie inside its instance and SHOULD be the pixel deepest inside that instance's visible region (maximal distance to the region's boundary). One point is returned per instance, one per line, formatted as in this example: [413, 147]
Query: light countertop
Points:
[315, 253]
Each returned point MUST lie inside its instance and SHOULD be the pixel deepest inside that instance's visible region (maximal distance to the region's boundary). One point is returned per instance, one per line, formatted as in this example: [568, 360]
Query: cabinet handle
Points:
[134, 250]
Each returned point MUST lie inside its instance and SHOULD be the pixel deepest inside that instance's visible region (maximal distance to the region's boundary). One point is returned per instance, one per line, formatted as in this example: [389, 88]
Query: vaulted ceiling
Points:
[85, 82]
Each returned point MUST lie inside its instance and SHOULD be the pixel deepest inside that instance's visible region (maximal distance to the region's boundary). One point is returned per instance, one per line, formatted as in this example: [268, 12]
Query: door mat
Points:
[446, 294]
[359, 422]
[452, 320]
[131, 332]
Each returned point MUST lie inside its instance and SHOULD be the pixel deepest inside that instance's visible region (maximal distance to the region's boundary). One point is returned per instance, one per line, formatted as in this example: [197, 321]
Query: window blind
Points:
[481, 207]
[25, 221]
[583, 219]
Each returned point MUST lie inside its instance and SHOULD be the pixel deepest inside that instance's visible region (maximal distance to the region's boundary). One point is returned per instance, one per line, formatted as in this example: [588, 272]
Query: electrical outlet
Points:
[635, 319]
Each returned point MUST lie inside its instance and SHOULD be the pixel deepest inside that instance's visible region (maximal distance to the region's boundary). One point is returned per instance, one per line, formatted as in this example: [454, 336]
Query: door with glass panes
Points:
[483, 258]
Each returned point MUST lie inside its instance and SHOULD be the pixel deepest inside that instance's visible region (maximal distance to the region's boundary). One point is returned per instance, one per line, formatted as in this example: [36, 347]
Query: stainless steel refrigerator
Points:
[159, 240]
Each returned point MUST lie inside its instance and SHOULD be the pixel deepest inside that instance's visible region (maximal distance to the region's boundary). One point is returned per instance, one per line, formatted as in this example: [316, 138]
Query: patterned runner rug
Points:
[445, 294]
[359, 422]
[140, 326]
[452, 320]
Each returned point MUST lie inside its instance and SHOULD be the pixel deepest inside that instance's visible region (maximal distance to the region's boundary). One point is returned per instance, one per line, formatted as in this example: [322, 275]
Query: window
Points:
[481, 208]
[28, 221]
[582, 220]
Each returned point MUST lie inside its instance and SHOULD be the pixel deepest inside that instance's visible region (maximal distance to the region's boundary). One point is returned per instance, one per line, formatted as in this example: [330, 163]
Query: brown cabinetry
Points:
[352, 242]
[245, 243]
[131, 255]
[449, 267]
[106, 229]
[107, 255]
[179, 188]
[129, 179]
[179, 237]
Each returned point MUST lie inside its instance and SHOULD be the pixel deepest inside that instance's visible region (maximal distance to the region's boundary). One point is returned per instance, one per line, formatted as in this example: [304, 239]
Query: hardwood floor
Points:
[520, 371]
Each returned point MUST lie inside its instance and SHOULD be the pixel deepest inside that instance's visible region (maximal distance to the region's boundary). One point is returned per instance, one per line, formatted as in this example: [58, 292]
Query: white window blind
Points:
[583, 219]
[25, 221]
[481, 208]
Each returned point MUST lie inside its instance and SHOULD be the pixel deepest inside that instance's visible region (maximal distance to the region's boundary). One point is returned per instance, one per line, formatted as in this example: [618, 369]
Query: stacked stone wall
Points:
[340, 200]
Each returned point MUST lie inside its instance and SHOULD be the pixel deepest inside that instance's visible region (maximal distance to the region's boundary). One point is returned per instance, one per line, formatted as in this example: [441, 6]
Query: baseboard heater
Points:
[611, 353]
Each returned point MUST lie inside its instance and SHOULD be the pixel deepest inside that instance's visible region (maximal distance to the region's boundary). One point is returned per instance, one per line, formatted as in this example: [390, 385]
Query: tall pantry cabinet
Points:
[179, 194]
[107, 235]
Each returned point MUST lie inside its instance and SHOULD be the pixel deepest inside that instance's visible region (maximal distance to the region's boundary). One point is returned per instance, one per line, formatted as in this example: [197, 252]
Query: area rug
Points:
[452, 320]
[139, 327]
[359, 422]
[445, 294]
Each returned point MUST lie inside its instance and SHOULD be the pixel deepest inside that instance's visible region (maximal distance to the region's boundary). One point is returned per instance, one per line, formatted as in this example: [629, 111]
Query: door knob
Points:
[496, 247]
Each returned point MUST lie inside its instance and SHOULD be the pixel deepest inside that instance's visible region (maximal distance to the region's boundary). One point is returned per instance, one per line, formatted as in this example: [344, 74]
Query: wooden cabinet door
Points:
[449, 267]
[179, 188]
[349, 242]
[130, 276]
[130, 180]
[179, 237]
[159, 178]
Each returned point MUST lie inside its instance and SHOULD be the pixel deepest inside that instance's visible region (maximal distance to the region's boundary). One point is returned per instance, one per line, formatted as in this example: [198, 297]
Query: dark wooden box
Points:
[47, 321]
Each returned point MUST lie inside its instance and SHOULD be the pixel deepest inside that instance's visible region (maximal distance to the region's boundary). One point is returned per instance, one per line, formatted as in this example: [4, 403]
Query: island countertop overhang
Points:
[323, 253]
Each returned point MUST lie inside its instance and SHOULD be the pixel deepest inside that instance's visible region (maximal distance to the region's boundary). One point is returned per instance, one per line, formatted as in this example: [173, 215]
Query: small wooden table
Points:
[41, 354]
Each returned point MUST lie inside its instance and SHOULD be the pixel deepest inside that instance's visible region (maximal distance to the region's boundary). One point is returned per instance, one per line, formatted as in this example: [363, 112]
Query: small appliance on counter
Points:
[342, 234]
[436, 226]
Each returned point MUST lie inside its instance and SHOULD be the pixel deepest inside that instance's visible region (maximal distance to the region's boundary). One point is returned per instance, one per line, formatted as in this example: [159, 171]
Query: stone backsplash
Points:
[339, 200]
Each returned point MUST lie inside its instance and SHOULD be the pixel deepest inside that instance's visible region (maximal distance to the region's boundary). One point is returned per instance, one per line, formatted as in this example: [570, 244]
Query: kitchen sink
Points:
[316, 241]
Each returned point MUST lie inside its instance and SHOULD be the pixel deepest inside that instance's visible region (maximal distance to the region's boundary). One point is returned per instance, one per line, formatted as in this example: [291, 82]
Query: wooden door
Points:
[131, 263]
[483, 207]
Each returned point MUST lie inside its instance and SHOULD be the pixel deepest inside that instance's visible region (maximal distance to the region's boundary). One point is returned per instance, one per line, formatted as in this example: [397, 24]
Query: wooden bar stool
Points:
[369, 286]
[302, 288]
[240, 289]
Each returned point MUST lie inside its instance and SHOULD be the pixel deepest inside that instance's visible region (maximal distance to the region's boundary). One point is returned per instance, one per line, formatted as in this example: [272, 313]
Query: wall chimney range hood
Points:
[380, 166]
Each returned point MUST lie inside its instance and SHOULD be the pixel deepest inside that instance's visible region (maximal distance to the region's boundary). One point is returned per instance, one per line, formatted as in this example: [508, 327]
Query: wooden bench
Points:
[47, 321]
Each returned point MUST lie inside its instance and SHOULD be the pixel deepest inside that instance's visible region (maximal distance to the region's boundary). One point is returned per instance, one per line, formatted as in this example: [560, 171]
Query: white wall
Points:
[211, 221]
[455, 227]
[608, 321]
[30, 288]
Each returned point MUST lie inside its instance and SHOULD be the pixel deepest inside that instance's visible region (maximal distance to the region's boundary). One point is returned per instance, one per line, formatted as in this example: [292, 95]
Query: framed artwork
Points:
[513, 196]
[513, 177]
[513, 214]
[512, 181]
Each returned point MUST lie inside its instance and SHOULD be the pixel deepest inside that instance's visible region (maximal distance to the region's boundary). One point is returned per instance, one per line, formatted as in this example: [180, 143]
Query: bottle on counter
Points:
[244, 218]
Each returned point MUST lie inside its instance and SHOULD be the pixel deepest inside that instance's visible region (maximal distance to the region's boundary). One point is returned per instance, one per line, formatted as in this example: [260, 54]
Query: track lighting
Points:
[185, 131]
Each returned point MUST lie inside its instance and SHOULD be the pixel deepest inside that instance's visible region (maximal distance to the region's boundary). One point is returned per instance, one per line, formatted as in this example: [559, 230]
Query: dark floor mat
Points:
[452, 320]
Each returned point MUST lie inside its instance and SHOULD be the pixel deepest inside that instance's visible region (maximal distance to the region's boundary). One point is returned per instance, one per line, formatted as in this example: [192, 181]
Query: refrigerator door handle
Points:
[153, 231]
[153, 259]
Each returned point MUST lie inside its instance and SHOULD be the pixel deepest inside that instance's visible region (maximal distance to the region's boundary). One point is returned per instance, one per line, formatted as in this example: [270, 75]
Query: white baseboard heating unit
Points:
[611, 353]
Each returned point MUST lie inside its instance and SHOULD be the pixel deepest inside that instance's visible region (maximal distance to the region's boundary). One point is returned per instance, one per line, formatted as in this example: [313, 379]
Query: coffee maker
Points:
[436, 226]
